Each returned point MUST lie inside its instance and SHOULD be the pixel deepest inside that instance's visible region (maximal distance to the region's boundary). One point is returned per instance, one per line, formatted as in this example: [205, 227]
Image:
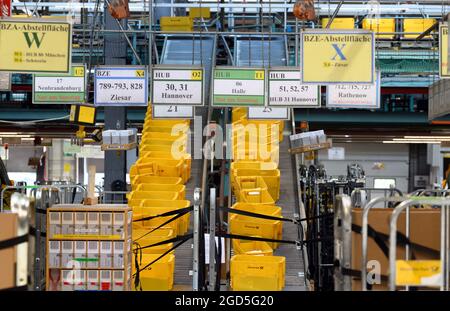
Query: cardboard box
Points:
[8, 225]
[55, 224]
[81, 223]
[106, 254]
[93, 282]
[81, 253]
[93, 254]
[54, 253]
[80, 280]
[54, 280]
[424, 230]
[106, 223]
[105, 280]
[93, 223]
[118, 255]
[67, 279]
[119, 224]
[67, 254]
[68, 225]
[118, 281]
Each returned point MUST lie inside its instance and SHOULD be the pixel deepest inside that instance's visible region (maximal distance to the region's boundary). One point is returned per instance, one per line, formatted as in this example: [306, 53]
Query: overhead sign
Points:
[268, 113]
[5, 8]
[337, 56]
[234, 87]
[418, 273]
[444, 71]
[177, 86]
[35, 45]
[60, 88]
[354, 95]
[121, 86]
[5, 81]
[172, 112]
[285, 89]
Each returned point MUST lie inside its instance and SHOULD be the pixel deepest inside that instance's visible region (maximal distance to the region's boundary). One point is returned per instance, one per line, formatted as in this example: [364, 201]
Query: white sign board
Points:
[336, 153]
[268, 113]
[91, 151]
[172, 112]
[354, 95]
[286, 90]
[121, 86]
[178, 86]
[5, 81]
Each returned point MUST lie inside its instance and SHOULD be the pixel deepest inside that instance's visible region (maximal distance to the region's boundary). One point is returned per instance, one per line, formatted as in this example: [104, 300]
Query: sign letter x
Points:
[338, 48]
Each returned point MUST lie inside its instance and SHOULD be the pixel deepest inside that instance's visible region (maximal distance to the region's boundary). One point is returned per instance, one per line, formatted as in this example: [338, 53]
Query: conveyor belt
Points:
[255, 51]
[294, 263]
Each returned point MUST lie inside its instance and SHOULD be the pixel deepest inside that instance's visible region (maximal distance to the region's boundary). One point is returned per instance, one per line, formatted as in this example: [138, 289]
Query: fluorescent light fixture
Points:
[410, 142]
[427, 137]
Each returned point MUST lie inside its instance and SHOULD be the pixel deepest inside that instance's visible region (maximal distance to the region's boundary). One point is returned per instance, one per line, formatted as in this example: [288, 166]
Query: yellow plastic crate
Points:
[250, 182]
[165, 155]
[238, 113]
[204, 13]
[177, 150]
[157, 277]
[142, 237]
[160, 167]
[417, 25]
[262, 154]
[163, 136]
[340, 23]
[252, 127]
[380, 25]
[179, 189]
[155, 207]
[252, 226]
[182, 141]
[262, 273]
[151, 179]
[165, 128]
[271, 178]
[255, 196]
[162, 157]
[135, 197]
[254, 248]
[179, 23]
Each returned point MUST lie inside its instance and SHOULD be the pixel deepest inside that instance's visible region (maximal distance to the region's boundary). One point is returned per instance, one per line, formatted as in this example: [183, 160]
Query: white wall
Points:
[395, 158]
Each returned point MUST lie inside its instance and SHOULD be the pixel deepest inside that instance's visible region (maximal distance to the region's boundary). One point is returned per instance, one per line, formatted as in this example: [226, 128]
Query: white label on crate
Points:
[178, 86]
[286, 90]
[172, 112]
[354, 95]
[268, 113]
[121, 86]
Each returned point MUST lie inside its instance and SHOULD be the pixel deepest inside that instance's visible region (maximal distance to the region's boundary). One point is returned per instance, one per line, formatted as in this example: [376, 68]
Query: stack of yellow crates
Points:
[255, 180]
[157, 181]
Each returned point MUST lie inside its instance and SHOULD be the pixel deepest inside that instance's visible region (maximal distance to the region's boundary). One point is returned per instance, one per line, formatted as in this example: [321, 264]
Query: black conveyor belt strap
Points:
[13, 241]
[256, 215]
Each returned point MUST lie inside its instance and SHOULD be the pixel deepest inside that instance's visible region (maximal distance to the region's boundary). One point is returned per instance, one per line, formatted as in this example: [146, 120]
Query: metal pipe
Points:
[196, 239]
[443, 202]
[364, 233]
[212, 239]
[336, 11]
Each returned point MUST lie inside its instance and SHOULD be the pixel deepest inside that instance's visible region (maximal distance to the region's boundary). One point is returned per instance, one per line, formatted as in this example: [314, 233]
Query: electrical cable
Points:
[34, 121]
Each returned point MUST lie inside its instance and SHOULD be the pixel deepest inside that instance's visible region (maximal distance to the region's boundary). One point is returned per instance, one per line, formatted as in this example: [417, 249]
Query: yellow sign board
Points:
[418, 273]
[338, 56]
[443, 51]
[35, 45]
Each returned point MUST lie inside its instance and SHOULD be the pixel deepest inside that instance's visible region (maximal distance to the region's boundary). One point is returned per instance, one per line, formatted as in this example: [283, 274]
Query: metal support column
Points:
[212, 239]
[195, 268]
[115, 51]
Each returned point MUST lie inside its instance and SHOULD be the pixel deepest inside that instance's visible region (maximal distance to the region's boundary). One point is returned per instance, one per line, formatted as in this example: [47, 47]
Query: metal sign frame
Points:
[113, 68]
[291, 69]
[63, 76]
[346, 106]
[286, 117]
[443, 26]
[156, 116]
[44, 21]
[178, 68]
[238, 69]
[335, 32]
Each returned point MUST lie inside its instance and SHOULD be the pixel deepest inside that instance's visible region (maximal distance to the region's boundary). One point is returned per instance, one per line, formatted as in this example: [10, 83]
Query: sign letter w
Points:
[34, 38]
[338, 48]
